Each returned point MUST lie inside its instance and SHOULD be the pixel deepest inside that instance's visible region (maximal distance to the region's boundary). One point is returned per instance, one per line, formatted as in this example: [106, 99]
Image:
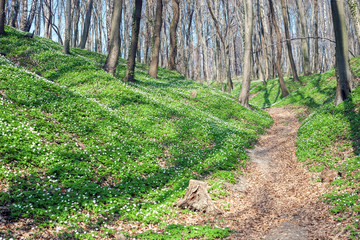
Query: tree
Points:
[288, 42]
[244, 94]
[2, 17]
[224, 39]
[153, 70]
[67, 27]
[130, 69]
[316, 34]
[87, 22]
[173, 35]
[355, 15]
[344, 76]
[283, 88]
[304, 42]
[114, 42]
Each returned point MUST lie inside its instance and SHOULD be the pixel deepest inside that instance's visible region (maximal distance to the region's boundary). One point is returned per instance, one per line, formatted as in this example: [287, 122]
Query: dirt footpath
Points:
[279, 199]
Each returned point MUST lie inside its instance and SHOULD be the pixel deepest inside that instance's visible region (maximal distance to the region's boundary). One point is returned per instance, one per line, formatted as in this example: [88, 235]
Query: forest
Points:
[169, 119]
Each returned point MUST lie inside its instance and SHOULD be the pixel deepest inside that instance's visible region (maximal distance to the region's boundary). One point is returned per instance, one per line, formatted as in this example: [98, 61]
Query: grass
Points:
[328, 138]
[81, 148]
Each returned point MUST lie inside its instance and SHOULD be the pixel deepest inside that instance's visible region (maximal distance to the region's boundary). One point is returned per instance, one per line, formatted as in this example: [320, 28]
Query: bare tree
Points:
[244, 94]
[2, 17]
[173, 34]
[14, 12]
[355, 15]
[130, 69]
[68, 21]
[114, 45]
[316, 35]
[288, 42]
[304, 42]
[87, 22]
[283, 88]
[153, 70]
[344, 76]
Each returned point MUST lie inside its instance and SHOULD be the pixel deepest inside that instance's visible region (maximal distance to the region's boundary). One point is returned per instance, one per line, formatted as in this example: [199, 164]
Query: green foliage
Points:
[174, 232]
[79, 145]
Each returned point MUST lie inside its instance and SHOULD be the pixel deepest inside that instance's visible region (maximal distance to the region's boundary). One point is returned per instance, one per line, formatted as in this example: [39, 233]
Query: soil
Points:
[277, 198]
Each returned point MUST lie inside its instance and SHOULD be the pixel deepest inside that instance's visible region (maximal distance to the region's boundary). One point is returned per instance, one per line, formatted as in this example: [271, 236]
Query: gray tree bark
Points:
[68, 21]
[355, 15]
[173, 35]
[283, 88]
[153, 70]
[304, 42]
[30, 19]
[244, 94]
[288, 42]
[2, 17]
[114, 45]
[85, 32]
[344, 76]
[130, 70]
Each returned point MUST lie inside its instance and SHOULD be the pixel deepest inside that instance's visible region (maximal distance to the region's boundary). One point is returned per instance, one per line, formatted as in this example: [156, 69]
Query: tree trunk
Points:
[304, 42]
[23, 14]
[288, 42]
[114, 45]
[14, 13]
[30, 20]
[283, 88]
[153, 70]
[244, 94]
[130, 70]
[68, 21]
[76, 22]
[316, 33]
[173, 35]
[85, 32]
[355, 15]
[264, 35]
[47, 10]
[344, 76]
[198, 199]
[2, 17]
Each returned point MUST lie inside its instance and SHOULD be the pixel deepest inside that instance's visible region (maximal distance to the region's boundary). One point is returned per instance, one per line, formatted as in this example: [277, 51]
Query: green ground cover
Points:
[80, 147]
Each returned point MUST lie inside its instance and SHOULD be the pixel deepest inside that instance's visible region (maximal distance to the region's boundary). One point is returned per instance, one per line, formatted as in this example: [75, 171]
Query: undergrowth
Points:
[81, 148]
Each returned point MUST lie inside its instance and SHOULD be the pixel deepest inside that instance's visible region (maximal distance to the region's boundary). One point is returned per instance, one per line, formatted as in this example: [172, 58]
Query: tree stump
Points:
[197, 198]
[193, 94]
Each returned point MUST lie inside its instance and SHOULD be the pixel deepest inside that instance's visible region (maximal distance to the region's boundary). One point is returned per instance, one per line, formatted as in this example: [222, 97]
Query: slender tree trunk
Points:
[355, 15]
[114, 45]
[244, 94]
[344, 76]
[15, 12]
[316, 34]
[153, 70]
[85, 32]
[30, 20]
[23, 14]
[47, 11]
[130, 71]
[283, 88]
[2, 17]
[288, 42]
[76, 22]
[173, 35]
[68, 21]
[264, 32]
[304, 42]
[38, 19]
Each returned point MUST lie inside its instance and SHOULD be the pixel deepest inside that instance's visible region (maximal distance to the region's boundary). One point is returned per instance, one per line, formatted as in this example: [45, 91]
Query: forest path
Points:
[278, 198]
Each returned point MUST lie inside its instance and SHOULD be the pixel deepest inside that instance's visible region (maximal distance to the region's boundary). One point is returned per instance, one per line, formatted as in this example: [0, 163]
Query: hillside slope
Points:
[80, 147]
[328, 140]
